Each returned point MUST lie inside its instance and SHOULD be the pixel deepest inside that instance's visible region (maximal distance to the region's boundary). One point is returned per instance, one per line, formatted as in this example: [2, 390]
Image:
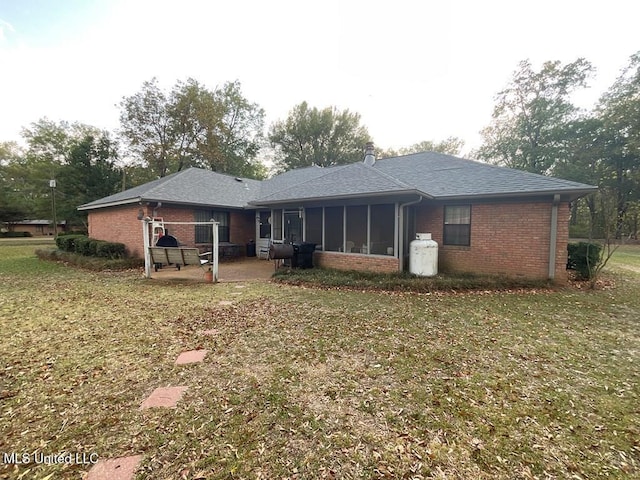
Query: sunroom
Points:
[342, 230]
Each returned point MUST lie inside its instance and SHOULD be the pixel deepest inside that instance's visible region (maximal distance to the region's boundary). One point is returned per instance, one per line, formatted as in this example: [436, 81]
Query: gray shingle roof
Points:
[193, 186]
[431, 174]
[290, 178]
[342, 181]
[444, 176]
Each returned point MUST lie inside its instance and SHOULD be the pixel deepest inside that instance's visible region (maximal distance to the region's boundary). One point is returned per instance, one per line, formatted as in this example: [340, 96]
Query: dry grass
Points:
[309, 383]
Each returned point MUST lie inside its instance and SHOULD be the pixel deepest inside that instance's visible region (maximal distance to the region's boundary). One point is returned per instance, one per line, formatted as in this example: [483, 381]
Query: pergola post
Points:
[214, 252]
[145, 238]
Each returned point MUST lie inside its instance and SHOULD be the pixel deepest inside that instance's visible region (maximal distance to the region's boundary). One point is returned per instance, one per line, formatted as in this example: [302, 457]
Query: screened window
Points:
[457, 225]
[204, 232]
[357, 229]
[276, 221]
[382, 229]
[313, 225]
[334, 229]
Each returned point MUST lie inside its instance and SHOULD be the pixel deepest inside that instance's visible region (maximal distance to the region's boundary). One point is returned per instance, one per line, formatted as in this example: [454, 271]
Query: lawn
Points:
[305, 383]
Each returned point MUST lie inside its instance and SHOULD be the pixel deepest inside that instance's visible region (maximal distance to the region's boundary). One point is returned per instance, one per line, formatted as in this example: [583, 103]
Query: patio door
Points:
[292, 226]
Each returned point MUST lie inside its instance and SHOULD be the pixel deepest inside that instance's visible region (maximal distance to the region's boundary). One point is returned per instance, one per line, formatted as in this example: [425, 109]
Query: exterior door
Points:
[292, 227]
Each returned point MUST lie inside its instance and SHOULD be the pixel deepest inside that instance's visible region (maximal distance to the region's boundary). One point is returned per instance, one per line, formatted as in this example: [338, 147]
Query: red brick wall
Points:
[121, 224]
[242, 226]
[510, 239]
[118, 224]
[185, 234]
[346, 261]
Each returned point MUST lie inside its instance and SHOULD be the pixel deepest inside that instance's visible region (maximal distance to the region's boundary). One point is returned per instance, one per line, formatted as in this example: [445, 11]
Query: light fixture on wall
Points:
[140, 214]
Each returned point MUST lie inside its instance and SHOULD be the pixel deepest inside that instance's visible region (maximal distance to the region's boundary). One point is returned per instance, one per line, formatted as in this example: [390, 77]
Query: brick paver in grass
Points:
[225, 303]
[164, 397]
[121, 468]
[192, 356]
[212, 331]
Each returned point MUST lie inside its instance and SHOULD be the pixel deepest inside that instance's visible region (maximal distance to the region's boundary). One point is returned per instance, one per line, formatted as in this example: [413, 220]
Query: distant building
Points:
[37, 228]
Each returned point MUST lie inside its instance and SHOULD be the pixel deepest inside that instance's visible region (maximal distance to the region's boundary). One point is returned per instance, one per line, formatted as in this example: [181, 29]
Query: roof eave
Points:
[572, 194]
[142, 200]
[266, 202]
[129, 201]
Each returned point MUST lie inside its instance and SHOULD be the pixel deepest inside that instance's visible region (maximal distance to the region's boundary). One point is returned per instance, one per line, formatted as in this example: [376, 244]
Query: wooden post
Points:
[145, 239]
[214, 253]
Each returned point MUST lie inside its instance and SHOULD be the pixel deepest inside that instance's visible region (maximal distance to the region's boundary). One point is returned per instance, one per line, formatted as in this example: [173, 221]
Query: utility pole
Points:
[52, 184]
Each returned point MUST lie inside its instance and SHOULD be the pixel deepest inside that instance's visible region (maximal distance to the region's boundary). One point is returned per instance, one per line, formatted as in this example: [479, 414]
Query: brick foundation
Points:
[352, 261]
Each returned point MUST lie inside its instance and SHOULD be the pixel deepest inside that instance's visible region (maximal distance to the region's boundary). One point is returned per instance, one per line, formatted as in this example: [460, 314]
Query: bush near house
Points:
[66, 243]
[583, 257]
[90, 247]
[15, 234]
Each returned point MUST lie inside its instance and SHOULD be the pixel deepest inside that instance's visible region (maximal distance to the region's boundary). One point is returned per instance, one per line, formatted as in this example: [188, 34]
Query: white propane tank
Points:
[423, 256]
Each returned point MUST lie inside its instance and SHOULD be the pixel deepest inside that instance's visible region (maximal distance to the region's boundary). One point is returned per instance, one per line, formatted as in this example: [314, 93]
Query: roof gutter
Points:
[401, 229]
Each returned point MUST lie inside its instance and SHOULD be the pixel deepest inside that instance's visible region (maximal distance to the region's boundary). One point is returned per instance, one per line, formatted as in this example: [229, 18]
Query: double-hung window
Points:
[203, 232]
[457, 225]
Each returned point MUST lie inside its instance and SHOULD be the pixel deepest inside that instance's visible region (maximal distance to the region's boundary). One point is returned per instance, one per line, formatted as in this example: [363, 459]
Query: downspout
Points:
[401, 230]
[553, 237]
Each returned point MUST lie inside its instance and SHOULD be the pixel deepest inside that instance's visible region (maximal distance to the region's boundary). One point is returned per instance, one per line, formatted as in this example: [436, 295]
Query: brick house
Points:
[486, 219]
[37, 228]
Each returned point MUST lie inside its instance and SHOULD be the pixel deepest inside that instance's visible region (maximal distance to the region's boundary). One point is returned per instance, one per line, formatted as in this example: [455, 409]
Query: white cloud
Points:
[5, 26]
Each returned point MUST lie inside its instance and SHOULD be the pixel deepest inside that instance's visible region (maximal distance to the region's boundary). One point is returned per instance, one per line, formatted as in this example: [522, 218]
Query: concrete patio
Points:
[241, 270]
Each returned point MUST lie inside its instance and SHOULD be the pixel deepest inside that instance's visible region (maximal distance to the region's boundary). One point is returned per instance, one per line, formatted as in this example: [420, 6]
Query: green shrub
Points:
[93, 247]
[584, 258]
[66, 243]
[15, 234]
[110, 250]
[89, 263]
[90, 247]
[81, 246]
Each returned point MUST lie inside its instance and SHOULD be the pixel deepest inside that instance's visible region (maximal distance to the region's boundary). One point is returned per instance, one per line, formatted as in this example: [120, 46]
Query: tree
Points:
[240, 134]
[583, 160]
[449, 146]
[528, 122]
[147, 128]
[79, 157]
[192, 126]
[89, 173]
[619, 109]
[310, 136]
[12, 204]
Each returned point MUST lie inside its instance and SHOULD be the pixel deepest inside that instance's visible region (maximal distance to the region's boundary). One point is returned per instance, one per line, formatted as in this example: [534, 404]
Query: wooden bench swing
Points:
[178, 256]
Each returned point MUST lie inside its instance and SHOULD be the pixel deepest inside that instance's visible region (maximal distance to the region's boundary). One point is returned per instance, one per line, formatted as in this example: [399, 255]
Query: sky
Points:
[413, 70]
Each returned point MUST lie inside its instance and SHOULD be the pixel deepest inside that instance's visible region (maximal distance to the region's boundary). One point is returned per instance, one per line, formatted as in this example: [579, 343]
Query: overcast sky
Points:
[414, 70]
